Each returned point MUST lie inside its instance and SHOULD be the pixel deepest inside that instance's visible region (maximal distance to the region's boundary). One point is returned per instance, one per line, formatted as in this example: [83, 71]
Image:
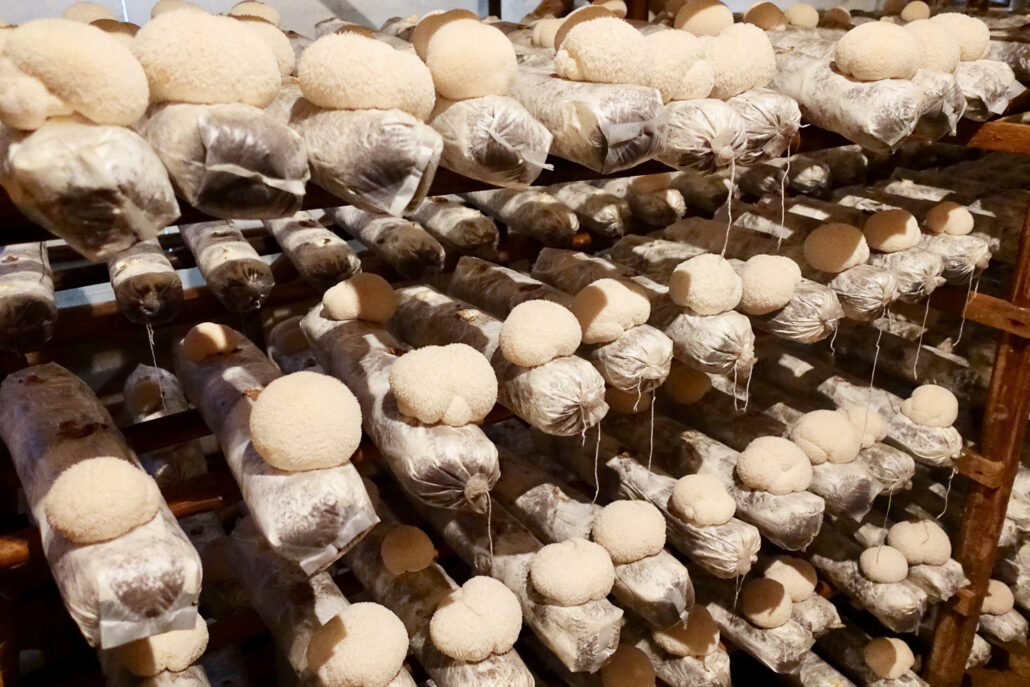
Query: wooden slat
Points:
[983, 309]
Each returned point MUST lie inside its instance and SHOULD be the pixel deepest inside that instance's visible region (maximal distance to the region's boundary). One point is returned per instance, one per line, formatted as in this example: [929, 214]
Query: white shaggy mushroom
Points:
[430, 23]
[628, 667]
[948, 217]
[883, 564]
[627, 402]
[99, 499]
[536, 332]
[252, 8]
[877, 50]
[826, 436]
[701, 500]
[195, 57]
[608, 307]
[704, 17]
[544, 32]
[675, 66]
[207, 339]
[803, 15]
[765, 603]
[365, 296]
[707, 284]
[697, 636]
[305, 421]
[837, 16]
[173, 651]
[931, 405]
[572, 572]
[349, 71]
[58, 66]
[629, 530]
[921, 542]
[868, 422]
[835, 247]
[276, 41]
[768, 282]
[775, 465]
[999, 599]
[796, 575]
[972, 34]
[686, 385]
[888, 657]
[406, 549]
[480, 619]
[363, 646]
[87, 12]
[602, 50]
[915, 10]
[453, 385]
[742, 58]
[616, 7]
[469, 59]
[890, 231]
[163, 6]
[766, 15]
[938, 50]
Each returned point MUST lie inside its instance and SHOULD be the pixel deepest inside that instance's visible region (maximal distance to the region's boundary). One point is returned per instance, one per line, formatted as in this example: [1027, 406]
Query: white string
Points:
[490, 528]
[833, 340]
[919, 343]
[650, 441]
[747, 388]
[153, 357]
[783, 200]
[970, 290]
[947, 493]
[887, 515]
[597, 458]
[876, 359]
[729, 205]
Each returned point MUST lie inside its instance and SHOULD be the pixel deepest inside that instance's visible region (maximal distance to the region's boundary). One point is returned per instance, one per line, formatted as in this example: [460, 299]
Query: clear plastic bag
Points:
[229, 160]
[702, 134]
[28, 309]
[100, 188]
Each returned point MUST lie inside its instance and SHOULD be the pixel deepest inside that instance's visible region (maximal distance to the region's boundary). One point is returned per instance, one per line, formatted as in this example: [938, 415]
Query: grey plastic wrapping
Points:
[194, 676]
[491, 138]
[28, 309]
[877, 115]
[712, 670]
[638, 360]
[847, 647]
[963, 257]
[654, 206]
[605, 127]
[654, 257]
[944, 104]
[380, 160]
[289, 348]
[235, 273]
[1015, 54]
[532, 213]
[847, 488]
[933, 446]
[797, 173]
[100, 188]
[725, 551]
[310, 517]
[781, 649]
[702, 134]
[572, 271]
[815, 672]
[563, 396]
[771, 121]
[450, 467]
[919, 272]
[141, 583]
[414, 597]
[322, 258]
[459, 228]
[1013, 568]
[1007, 628]
[292, 604]
[175, 463]
[230, 159]
[656, 588]
[816, 614]
[599, 212]
[402, 244]
[988, 85]
[146, 287]
[789, 521]
[581, 637]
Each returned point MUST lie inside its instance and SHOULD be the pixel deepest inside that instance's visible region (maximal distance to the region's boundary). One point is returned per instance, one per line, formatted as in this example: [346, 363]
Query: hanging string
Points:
[736, 396]
[876, 358]
[970, 290]
[729, 205]
[919, 342]
[738, 584]
[650, 441]
[783, 200]
[153, 358]
[887, 515]
[747, 387]
[597, 458]
[947, 494]
[490, 528]
[833, 340]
